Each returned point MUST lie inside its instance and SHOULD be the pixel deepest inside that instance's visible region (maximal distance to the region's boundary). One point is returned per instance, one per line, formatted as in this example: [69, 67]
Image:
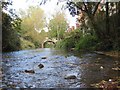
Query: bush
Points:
[88, 42]
[70, 40]
[75, 39]
[66, 44]
[69, 43]
[10, 37]
[26, 44]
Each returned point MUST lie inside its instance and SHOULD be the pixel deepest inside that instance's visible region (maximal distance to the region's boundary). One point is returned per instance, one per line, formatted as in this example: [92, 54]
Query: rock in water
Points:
[71, 77]
[29, 71]
[43, 57]
[40, 65]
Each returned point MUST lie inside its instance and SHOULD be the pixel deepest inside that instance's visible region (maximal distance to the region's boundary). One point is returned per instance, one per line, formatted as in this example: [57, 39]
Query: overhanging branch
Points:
[86, 9]
[96, 7]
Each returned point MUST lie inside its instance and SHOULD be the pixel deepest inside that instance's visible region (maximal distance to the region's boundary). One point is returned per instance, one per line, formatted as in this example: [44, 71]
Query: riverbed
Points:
[58, 68]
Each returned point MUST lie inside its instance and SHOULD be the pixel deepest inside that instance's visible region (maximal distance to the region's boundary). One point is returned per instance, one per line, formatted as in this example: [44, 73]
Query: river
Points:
[88, 68]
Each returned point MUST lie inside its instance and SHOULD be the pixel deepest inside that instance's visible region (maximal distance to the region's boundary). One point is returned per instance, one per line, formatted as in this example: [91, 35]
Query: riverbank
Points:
[111, 84]
[109, 53]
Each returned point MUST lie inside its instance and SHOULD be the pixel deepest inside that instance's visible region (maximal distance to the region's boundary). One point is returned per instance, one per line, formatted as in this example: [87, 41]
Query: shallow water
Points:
[57, 65]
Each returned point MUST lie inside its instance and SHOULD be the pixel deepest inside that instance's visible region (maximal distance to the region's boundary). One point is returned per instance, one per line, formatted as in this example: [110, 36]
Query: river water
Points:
[89, 68]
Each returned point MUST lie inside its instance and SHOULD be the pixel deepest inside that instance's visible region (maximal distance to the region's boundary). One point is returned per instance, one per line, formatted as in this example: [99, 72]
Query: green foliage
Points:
[25, 44]
[10, 27]
[10, 37]
[57, 26]
[49, 45]
[103, 21]
[109, 39]
[88, 42]
[66, 43]
[70, 40]
[32, 25]
[96, 33]
[76, 39]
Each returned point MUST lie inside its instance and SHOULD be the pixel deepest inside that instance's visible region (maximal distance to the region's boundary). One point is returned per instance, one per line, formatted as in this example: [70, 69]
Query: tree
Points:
[10, 37]
[0, 28]
[33, 22]
[102, 18]
[89, 9]
[34, 18]
[57, 26]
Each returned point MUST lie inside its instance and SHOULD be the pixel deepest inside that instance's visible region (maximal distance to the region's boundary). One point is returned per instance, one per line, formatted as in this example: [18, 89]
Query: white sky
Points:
[49, 8]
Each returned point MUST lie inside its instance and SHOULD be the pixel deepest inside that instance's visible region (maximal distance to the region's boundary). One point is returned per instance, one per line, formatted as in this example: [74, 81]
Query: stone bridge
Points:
[53, 40]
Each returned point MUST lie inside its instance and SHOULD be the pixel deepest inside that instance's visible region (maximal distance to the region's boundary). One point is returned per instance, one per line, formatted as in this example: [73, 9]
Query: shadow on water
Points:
[57, 65]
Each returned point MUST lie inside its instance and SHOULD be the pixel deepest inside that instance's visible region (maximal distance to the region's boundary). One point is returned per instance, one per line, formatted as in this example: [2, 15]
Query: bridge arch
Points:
[44, 43]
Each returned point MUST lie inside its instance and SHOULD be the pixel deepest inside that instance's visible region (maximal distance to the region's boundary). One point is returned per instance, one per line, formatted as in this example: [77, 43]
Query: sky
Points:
[49, 8]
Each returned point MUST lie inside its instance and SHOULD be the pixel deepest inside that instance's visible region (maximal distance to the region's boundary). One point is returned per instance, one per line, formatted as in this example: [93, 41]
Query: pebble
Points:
[70, 77]
[101, 67]
[110, 80]
[43, 57]
[29, 71]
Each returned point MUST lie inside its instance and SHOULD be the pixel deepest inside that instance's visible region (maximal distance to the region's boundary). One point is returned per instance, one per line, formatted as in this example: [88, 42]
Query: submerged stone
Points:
[29, 71]
[43, 57]
[70, 77]
[40, 65]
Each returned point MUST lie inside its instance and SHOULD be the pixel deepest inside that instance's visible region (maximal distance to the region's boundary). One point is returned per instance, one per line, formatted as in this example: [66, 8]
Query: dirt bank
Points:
[109, 53]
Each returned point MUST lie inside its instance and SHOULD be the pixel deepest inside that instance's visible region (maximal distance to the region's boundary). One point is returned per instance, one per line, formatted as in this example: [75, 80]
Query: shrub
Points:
[70, 40]
[66, 43]
[10, 37]
[26, 44]
[88, 42]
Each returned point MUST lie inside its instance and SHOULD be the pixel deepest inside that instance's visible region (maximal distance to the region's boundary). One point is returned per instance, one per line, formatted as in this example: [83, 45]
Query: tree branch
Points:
[80, 8]
[96, 7]
[85, 7]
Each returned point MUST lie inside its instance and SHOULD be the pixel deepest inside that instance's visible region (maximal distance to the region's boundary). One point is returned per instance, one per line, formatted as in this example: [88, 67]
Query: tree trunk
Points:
[107, 19]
